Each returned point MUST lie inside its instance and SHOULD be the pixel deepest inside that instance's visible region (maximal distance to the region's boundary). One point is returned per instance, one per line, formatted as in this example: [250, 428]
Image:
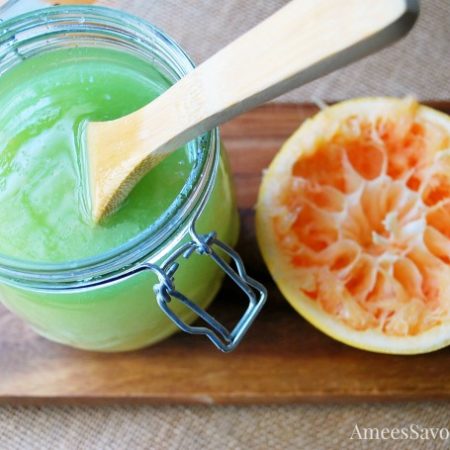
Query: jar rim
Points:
[150, 244]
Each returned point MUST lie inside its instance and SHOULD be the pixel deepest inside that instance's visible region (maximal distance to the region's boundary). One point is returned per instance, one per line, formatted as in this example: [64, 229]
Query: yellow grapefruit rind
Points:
[303, 142]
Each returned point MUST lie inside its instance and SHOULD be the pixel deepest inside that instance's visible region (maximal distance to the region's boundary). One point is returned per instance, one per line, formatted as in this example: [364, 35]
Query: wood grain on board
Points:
[283, 359]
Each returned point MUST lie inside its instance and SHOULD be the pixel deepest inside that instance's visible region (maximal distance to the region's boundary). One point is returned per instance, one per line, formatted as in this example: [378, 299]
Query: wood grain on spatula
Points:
[302, 41]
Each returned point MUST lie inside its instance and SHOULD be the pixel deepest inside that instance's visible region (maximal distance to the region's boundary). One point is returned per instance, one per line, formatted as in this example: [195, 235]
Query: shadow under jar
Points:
[156, 263]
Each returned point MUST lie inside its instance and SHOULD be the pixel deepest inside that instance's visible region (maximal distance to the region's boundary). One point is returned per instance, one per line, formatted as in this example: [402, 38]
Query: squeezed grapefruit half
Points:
[353, 221]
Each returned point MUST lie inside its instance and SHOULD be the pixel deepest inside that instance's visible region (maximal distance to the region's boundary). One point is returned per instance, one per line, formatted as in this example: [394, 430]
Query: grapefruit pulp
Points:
[353, 221]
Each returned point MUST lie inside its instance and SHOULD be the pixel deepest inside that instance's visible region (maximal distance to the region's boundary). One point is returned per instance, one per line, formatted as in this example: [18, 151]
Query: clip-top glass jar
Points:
[162, 278]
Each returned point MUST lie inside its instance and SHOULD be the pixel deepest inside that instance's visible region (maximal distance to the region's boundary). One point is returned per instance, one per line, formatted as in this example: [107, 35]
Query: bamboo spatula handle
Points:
[302, 41]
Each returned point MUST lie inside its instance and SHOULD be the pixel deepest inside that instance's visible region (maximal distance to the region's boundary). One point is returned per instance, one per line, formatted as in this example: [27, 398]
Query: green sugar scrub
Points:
[43, 103]
[46, 227]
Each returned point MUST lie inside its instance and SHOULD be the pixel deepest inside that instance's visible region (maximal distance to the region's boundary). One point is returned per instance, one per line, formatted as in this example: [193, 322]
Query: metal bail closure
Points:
[165, 290]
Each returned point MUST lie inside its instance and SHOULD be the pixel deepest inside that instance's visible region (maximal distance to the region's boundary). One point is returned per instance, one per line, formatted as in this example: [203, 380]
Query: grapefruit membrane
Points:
[353, 221]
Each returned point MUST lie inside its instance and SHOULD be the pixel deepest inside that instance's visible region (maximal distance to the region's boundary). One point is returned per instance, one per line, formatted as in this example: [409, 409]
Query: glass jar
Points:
[163, 278]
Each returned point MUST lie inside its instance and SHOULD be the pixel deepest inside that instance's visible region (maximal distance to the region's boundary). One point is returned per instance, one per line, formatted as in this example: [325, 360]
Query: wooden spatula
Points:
[302, 41]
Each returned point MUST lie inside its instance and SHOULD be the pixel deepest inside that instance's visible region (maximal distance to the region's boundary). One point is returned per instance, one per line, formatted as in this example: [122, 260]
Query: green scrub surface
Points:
[44, 102]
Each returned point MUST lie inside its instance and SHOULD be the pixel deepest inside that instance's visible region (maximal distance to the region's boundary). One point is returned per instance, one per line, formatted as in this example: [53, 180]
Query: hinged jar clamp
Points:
[165, 290]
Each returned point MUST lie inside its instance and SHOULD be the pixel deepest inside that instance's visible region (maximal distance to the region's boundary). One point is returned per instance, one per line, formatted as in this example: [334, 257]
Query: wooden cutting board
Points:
[283, 359]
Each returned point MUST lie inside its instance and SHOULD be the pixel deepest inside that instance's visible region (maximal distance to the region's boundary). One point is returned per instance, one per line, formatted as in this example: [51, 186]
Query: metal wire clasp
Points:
[165, 290]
